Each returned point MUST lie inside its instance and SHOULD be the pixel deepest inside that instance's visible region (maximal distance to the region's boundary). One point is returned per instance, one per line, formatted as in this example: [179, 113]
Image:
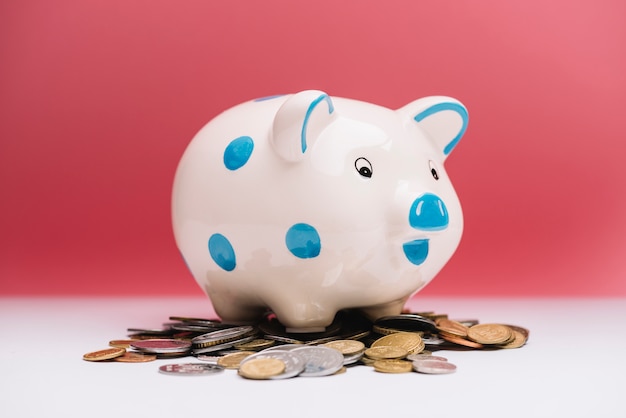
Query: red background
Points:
[99, 99]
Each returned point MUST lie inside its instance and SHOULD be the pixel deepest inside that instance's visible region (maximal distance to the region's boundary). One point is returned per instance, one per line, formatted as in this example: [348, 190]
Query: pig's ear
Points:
[299, 121]
[444, 119]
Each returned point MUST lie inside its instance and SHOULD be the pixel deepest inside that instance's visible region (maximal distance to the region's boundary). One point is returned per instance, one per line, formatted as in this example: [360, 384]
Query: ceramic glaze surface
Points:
[307, 204]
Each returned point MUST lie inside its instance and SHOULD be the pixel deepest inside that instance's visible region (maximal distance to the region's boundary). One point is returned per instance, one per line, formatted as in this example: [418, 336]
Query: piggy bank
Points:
[307, 204]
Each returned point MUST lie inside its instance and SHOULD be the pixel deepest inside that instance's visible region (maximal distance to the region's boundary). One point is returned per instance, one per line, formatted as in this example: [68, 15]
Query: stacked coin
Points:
[352, 350]
[162, 347]
[292, 364]
[396, 352]
[482, 335]
[266, 350]
[222, 339]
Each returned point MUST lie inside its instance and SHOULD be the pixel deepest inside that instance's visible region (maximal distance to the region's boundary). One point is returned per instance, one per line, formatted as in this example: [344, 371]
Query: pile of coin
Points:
[392, 344]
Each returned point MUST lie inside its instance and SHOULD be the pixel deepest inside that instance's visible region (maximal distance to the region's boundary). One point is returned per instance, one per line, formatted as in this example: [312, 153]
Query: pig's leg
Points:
[302, 316]
[391, 308]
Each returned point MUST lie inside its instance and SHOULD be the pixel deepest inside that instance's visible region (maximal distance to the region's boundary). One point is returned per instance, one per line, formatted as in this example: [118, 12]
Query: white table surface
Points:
[574, 365]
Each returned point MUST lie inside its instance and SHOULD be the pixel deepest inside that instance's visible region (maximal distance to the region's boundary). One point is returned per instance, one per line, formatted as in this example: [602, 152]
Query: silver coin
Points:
[219, 347]
[191, 369]
[223, 335]
[433, 366]
[319, 361]
[352, 358]
[208, 358]
[413, 357]
[433, 340]
[162, 346]
[294, 364]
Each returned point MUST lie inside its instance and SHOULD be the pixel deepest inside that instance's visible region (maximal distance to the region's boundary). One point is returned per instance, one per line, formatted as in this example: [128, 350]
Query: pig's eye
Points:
[364, 167]
[433, 170]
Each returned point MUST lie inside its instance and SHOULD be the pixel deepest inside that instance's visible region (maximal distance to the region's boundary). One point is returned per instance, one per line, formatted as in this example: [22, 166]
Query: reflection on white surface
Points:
[43, 373]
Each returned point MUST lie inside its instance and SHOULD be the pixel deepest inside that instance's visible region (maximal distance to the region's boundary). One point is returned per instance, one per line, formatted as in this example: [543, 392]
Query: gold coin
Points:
[261, 368]
[133, 357]
[410, 341]
[384, 330]
[106, 354]
[121, 343]
[489, 333]
[452, 327]
[346, 347]
[232, 360]
[386, 352]
[393, 366]
[257, 344]
[511, 338]
[340, 371]
[419, 349]
[519, 340]
[522, 330]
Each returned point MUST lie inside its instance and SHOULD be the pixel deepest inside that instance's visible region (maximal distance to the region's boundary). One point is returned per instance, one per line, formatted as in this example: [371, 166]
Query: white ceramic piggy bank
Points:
[307, 204]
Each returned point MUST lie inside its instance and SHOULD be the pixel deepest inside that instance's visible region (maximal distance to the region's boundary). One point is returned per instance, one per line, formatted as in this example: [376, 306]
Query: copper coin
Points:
[462, 341]
[106, 354]
[452, 327]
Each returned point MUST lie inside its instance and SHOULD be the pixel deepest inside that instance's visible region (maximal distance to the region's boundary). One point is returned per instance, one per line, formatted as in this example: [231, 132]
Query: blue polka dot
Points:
[222, 252]
[238, 152]
[303, 241]
[428, 213]
[416, 251]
